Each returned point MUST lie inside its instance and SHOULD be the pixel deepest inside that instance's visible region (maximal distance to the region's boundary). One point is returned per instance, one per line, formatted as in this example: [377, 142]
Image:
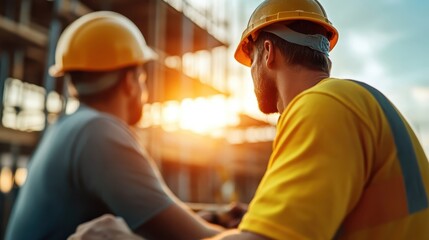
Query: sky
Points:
[385, 43]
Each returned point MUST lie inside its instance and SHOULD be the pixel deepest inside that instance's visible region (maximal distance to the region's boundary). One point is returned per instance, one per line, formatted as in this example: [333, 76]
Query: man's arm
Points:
[177, 222]
[113, 228]
[127, 181]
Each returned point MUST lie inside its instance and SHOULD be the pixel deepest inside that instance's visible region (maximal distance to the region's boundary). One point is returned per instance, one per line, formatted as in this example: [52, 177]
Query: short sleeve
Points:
[112, 167]
[316, 172]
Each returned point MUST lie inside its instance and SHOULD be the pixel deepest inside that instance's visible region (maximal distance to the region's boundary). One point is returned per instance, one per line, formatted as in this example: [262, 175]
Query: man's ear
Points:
[270, 53]
[128, 83]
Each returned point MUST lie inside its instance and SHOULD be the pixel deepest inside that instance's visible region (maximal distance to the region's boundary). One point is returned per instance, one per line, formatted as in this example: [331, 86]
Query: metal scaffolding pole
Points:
[4, 74]
[158, 26]
[54, 33]
[187, 43]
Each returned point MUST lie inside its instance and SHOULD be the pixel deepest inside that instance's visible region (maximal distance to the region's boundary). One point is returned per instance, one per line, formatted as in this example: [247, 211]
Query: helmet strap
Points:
[316, 42]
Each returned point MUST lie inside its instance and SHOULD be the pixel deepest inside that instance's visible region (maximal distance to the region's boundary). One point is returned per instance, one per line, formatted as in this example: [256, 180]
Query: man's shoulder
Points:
[86, 123]
[330, 97]
[348, 92]
[335, 86]
[85, 116]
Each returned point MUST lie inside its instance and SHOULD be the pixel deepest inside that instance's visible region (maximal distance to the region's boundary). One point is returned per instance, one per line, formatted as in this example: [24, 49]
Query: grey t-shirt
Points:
[87, 164]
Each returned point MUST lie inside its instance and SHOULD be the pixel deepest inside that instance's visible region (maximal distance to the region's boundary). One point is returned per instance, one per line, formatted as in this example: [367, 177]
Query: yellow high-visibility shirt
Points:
[345, 165]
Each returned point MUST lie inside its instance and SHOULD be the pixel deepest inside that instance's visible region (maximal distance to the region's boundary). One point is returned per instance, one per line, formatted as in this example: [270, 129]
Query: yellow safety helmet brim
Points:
[273, 11]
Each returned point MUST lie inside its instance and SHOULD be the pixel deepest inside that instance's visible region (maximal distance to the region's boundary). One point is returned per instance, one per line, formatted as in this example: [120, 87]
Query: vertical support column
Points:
[10, 9]
[209, 168]
[156, 38]
[9, 13]
[158, 29]
[4, 74]
[184, 166]
[209, 22]
[157, 26]
[159, 36]
[227, 38]
[24, 13]
[54, 33]
[187, 43]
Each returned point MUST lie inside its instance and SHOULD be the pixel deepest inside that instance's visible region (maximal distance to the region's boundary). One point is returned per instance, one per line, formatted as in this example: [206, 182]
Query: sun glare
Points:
[200, 115]
[203, 115]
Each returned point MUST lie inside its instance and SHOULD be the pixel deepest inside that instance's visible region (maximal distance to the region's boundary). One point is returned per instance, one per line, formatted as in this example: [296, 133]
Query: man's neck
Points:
[111, 108]
[294, 80]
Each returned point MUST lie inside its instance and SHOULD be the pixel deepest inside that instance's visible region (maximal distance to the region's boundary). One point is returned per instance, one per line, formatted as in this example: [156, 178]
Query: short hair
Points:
[296, 54]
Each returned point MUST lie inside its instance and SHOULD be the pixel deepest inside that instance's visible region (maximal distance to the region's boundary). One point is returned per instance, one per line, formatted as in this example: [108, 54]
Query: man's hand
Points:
[105, 227]
[229, 218]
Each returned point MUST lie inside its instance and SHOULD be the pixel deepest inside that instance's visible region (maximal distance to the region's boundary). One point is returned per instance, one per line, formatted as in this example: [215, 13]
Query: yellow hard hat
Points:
[273, 11]
[100, 41]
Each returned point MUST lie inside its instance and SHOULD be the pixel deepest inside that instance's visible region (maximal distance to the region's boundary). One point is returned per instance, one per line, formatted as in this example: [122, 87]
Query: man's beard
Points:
[266, 94]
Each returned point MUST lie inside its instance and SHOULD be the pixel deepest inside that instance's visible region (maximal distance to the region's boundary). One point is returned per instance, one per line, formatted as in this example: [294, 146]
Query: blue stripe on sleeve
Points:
[416, 194]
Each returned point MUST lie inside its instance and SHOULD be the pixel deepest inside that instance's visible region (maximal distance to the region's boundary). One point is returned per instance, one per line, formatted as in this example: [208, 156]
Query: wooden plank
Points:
[16, 34]
[8, 135]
